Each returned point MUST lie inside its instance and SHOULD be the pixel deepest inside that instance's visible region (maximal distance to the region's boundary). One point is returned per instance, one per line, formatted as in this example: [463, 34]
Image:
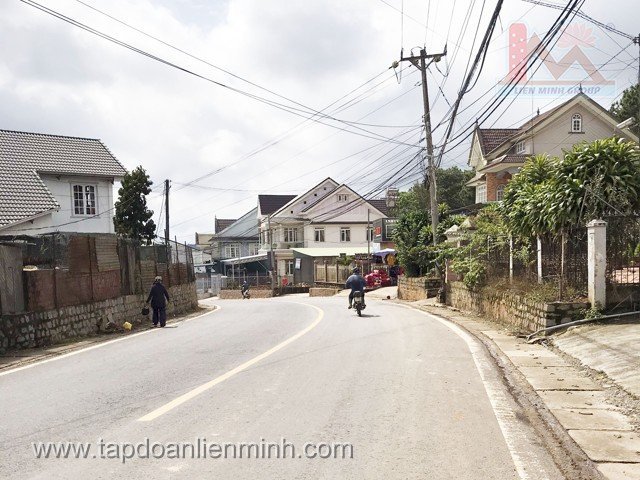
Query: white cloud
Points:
[59, 79]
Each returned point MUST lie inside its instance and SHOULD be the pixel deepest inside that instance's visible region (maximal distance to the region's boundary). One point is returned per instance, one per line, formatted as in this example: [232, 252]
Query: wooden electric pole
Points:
[420, 62]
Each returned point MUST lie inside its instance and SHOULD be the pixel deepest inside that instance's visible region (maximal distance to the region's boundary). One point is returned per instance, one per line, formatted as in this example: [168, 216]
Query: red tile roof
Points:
[491, 138]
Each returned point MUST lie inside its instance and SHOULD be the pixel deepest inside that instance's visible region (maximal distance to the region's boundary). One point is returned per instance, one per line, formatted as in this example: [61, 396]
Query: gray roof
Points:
[272, 203]
[380, 204]
[246, 227]
[24, 156]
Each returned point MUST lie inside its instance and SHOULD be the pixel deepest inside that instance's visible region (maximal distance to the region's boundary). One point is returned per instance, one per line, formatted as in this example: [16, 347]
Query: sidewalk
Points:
[601, 420]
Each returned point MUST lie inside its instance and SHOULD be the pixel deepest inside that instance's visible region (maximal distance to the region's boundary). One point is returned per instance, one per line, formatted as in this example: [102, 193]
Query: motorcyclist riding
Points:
[356, 283]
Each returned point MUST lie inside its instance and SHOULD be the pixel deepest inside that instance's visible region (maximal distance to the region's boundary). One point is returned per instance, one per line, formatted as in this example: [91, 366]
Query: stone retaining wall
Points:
[323, 292]
[48, 327]
[512, 308]
[417, 288]
[237, 294]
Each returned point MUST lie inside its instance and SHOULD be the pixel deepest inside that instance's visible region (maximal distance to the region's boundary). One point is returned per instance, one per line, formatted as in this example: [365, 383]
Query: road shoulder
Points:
[19, 358]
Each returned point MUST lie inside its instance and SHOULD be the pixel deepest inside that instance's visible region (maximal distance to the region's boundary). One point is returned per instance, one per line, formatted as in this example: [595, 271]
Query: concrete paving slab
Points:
[546, 361]
[611, 348]
[592, 419]
[620, 471]
[607, 446]
[557, 378]
[583, 399]
[528, 353]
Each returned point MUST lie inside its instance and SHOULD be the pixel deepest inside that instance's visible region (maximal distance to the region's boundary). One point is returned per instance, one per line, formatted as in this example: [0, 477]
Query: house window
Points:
[520, 147]
[343, 197]
[253, 248]
[319, 234]
[481, 194]
[232, 250]
[369, 234]
[290, 267]
[576, 123]
[290, 235]
[500, 193]
[345, 234]
[84, 199]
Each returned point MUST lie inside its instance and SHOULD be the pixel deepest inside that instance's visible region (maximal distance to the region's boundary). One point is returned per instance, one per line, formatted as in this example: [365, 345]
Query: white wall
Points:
[332, 235]
[62, 190]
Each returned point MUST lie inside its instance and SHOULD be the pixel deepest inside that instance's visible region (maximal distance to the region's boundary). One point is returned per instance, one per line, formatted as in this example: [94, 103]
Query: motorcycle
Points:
[246, 294]
[358, 302]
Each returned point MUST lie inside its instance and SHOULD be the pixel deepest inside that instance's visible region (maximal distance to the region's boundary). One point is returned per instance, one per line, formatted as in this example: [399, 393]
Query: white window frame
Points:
[230, 248]
[481, 193]
[290, 234]
[319, 234]
[500, 192]
[576, 123]
[84, 199]
[343, 197]
[345, 234]
[253, 248]
[521, 147]
[290, 267]
[369, 234]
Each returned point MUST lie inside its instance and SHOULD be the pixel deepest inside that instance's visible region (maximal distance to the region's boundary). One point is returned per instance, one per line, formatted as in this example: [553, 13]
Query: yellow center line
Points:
[203, 388]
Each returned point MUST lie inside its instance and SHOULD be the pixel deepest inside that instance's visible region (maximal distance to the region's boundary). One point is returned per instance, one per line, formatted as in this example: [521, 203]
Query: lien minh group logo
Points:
[566, 70]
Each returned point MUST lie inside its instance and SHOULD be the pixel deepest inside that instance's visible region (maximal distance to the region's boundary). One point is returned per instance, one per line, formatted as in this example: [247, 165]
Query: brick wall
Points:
[69, 289]
[493, 182]
[52, 326]
[512, 309]
[417, 288]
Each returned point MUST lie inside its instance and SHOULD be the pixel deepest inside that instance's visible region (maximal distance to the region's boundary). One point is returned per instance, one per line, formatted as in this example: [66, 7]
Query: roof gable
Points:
[545, 119]
[24, 156]
[309, 198]
[324, 211]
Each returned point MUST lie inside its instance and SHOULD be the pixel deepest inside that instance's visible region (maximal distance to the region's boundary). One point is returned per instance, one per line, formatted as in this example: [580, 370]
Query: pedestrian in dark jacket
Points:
[157, 297]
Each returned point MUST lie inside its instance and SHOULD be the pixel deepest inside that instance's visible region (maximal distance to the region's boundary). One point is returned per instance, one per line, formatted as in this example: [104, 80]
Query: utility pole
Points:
[274, 268]
[420, 62]
[167, 186]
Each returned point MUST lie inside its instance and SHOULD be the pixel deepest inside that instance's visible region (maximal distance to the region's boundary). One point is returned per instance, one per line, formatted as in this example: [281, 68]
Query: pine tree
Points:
[629, 106]
[133, 218]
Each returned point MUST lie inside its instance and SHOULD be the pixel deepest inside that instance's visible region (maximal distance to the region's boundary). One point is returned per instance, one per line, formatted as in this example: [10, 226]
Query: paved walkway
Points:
[610, 348]
[580, 405]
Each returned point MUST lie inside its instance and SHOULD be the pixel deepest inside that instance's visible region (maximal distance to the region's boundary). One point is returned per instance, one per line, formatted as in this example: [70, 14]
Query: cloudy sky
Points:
[235, 115]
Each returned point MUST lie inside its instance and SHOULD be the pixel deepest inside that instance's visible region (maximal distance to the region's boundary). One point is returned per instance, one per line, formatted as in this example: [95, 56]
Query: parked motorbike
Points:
[358, 302]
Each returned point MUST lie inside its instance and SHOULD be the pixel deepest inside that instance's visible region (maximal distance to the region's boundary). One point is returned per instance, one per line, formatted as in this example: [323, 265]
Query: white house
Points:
[52, 183]
[328, 220]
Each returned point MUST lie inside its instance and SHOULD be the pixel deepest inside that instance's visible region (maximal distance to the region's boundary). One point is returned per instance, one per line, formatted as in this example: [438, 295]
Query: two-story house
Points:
[325, 222]
[498, 153]
[52, 183]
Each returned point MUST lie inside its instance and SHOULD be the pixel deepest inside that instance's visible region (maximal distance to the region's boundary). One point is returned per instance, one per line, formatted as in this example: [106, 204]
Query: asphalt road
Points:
[406, 395]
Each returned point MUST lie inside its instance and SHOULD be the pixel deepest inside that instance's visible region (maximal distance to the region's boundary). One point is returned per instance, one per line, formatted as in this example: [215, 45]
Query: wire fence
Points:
[544, 260]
